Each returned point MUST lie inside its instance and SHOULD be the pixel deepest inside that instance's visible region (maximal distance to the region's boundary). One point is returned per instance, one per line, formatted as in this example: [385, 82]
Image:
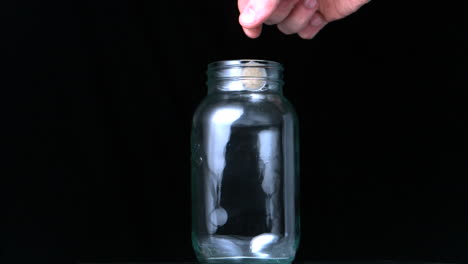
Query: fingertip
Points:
[317, 20]
[284, 29]
[253, 33]
[310, 4]
[307, 35]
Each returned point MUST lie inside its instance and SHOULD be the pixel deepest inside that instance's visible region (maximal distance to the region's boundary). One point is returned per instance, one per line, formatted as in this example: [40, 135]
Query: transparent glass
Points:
[245, 167]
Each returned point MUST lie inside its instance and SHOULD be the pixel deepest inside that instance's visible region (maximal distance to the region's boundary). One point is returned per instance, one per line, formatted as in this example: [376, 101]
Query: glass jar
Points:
[245, 183]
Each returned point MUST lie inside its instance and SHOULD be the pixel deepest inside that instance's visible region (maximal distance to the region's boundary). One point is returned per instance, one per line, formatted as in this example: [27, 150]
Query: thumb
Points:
[256, 12]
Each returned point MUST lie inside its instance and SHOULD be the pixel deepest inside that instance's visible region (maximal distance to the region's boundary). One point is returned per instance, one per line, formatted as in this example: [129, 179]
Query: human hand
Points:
[304, 17]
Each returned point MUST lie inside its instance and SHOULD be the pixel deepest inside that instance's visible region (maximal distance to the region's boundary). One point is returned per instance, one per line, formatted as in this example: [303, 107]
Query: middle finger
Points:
[299, 17]
[282, 11]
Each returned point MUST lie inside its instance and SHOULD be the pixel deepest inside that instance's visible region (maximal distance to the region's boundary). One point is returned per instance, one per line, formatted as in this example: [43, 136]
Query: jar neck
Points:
[256, 76]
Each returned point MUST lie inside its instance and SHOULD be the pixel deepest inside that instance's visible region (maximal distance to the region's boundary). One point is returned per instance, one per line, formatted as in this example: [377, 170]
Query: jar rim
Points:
[243, 63]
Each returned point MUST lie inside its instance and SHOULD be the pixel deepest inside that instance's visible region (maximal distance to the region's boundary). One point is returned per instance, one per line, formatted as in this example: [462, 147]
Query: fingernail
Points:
[248, 16]
[316, 21]
[310, 3]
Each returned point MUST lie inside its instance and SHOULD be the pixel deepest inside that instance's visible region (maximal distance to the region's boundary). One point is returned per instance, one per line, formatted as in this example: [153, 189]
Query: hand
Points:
[304, 17]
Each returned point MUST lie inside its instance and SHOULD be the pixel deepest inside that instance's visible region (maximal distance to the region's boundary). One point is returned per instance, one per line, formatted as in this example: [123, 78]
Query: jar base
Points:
[245, 260]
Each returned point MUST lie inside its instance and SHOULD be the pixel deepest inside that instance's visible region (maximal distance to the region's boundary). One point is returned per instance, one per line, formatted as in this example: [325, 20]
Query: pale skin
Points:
[303, 17]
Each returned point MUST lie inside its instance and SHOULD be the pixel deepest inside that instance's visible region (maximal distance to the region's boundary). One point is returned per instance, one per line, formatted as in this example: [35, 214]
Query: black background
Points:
[98, 99]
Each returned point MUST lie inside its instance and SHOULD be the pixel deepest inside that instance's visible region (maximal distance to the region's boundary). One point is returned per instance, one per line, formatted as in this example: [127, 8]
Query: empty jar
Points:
[245, 167]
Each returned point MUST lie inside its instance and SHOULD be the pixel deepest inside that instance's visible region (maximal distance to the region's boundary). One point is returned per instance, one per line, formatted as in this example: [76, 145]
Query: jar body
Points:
[245, 178]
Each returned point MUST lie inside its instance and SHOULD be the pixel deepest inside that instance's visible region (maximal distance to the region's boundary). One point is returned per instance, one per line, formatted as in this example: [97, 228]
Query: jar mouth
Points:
[244, 63]
[245, 75]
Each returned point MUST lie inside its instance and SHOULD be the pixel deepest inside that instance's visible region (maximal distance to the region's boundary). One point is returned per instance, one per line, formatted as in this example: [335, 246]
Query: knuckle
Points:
[305, 35]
